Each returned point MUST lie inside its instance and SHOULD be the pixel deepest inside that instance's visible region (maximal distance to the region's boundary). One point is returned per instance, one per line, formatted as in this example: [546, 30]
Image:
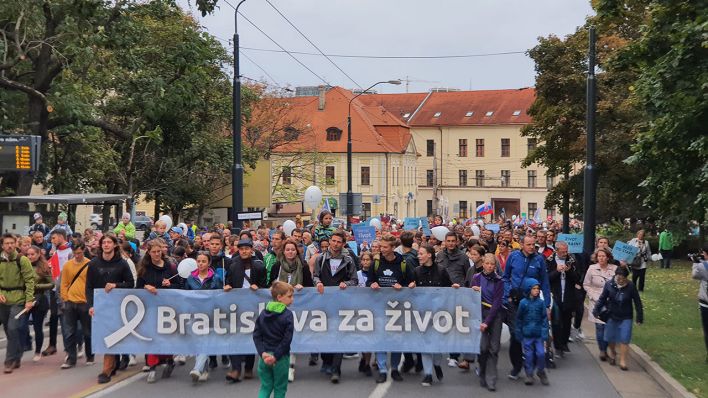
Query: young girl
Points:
[325, 229]
[490, 284]
[290, 268]
[43, 283]
[203, 278]
[154, 272]
[366, 259]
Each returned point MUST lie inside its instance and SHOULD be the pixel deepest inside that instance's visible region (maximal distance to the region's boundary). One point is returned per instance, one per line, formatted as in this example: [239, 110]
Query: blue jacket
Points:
[274, 330]
[519, 267]
[531, 316]
[212, 282]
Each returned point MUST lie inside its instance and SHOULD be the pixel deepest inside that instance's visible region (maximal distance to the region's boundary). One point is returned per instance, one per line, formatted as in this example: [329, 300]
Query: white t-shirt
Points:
[246, 284]
[334, 264]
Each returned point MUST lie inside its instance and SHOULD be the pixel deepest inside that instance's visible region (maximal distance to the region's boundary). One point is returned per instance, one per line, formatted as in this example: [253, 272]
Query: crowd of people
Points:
[527, 280]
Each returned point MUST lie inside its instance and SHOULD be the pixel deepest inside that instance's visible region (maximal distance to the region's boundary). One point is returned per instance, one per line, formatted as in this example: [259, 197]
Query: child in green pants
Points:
[272, 336]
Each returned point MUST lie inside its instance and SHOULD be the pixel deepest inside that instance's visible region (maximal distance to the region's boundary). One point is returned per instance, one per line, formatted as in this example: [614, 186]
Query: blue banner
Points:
[413, 223]
[364, 233]
[574, 241]
[353, 320]
[624, 252]
[492, 227]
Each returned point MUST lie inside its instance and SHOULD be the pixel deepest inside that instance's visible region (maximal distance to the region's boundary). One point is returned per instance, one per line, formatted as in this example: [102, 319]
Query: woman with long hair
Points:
[43, 284]
[595, 279]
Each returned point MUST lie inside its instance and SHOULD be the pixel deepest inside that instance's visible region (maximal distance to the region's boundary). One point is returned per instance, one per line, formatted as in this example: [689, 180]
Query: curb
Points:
[668, 383]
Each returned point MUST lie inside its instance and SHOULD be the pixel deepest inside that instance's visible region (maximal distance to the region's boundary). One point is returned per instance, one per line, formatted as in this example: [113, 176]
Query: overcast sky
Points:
[397, 28]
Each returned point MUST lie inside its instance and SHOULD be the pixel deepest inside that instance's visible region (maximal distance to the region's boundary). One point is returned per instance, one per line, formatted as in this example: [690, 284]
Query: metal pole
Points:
[566, 206]
[590, 184]
[237, 171]
[350, 194]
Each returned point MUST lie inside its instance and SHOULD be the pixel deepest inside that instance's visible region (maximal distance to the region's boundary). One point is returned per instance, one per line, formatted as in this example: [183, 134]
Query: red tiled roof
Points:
[453, 107]
[374, 128]
[398, 104]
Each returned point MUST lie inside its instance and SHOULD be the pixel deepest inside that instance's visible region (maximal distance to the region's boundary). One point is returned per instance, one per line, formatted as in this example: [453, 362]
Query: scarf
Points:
[294, 270]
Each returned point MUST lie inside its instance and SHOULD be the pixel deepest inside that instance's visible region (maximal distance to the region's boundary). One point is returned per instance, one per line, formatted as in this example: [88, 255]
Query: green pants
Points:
[274, 379]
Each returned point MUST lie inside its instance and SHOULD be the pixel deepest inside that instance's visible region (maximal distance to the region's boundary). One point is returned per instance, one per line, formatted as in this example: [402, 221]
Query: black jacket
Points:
[456, 263]
[236, 273]
[346, 272]
[619, 301]
[153, 275]
[433, 276]
[100, 272]
[274, 332]
[555, 278]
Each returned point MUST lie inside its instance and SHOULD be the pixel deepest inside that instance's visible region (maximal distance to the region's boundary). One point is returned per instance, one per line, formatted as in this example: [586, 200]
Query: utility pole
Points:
[590, 183]
[435, 180]
[237, 170]
[565, 206]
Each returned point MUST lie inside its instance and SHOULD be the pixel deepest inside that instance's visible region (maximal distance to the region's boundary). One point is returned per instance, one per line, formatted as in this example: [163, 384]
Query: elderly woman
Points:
[595, 279]
[617, 297]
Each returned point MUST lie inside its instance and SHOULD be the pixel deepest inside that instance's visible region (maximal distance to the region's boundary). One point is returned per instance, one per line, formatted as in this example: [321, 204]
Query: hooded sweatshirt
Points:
[274, 330]
[100, 272]
[531, 317]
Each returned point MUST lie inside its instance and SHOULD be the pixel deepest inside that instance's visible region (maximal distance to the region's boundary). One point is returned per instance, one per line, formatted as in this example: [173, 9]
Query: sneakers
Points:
[514, 375]
[204, 376]
[80, 351]
[90, 360]
[36, 357]
[396, 375]
[152, 376]
[576, 334]
[451, 363]
[179, 359]
[167, 372]
[382, 378]
[225, 363]
[145, 368]
[132, 361]
[438, 372]
[103, 378]
[312, 361]
[334, 378]
[291, 374]
[529, 380]
[543, 378]
[350, 355]
[195, 375]
[49, 351]
[427, 381]
[67, 365]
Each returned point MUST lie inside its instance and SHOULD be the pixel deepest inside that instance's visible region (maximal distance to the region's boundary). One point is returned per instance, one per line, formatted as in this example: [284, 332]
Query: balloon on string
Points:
[167, 220]
[376, 223]
[186, 267]
[288, 227]
[313, 197]
[439, 232]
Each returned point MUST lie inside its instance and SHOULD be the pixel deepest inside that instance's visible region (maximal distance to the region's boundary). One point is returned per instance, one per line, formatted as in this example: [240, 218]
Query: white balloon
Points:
[656, 257]
[313, 197]
[545, 225]
[513, 218]
[376, 223]
[288, 227]
[475, 230]
[186, 267]
[167, 220]
[439, 232]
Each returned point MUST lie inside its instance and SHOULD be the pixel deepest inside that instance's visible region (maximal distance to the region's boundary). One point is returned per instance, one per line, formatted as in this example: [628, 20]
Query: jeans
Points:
[638, 276]
[13, 352]
[534, 355]
[200, 364]
[489, 351]
[600, 337]
[38, 312]
[75, 313]
[274, 379]
[430, 360]
[381, 361]
[666, 258]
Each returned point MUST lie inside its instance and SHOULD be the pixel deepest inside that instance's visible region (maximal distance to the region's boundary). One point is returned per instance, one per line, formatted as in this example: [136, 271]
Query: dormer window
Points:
[488, 114]
[437, 114]
[517, 113]
[406, 115]
[469, 114]
[334, 134]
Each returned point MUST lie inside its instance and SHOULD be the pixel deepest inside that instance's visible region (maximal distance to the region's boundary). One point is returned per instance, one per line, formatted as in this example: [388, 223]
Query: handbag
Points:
[604, 314]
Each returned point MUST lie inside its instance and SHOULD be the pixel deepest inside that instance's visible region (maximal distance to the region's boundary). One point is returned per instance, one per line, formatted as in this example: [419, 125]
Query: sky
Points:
[394, 28]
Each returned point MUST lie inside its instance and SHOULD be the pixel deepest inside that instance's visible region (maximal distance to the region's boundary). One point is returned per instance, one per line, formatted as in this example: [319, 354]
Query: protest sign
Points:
[352, 320]
[492, 227]
[624, 252]
[574, 241]
[413, 223]
[364, 233]
[353, 247]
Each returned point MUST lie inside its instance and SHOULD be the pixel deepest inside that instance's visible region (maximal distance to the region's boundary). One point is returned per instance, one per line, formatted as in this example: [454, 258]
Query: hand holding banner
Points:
[574, 241]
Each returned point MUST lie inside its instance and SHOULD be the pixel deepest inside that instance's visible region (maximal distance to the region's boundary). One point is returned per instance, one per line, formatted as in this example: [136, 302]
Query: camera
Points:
[695, 257]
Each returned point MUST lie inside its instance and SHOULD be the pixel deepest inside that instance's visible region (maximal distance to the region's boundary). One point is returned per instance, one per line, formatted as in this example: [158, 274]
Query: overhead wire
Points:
[449, 56]
[313, 44]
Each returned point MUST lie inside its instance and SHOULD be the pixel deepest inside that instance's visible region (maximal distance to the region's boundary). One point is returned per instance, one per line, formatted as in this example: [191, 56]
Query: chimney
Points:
[322, 91]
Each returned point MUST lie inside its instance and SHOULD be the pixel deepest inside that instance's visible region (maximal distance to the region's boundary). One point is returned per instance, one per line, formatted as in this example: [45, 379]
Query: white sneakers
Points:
[180, 359]
[36, 357]
[452, 362]
[291, 374]
[132, 361]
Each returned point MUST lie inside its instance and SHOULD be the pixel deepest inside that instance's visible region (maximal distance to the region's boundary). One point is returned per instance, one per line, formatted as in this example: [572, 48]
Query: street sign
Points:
[19, 152]
[249, 215]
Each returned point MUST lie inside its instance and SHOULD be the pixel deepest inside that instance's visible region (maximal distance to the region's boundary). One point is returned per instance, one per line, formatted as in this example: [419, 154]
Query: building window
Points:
[428, 178]
[463, 178]
[463, 148]
[287, 175]
[329, 175]
[430, 148]
[480, 147]
[334, 134]
[532, 210]
[531, 144]
[550, 213]
[505, 147]
[549, 182]
[429, 207]
[505, 178]
[477, 204]
[366, 210]
[463, 209]
[532, 178]
[479, 178]
[365, 175]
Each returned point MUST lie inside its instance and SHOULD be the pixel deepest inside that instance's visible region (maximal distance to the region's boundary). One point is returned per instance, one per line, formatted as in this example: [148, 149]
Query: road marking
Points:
[123, 383]
[381, 389]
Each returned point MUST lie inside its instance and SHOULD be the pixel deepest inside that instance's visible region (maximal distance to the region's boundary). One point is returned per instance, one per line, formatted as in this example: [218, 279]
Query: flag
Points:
[503, 214]
[326, 205]
[484, 209]
[537, 216]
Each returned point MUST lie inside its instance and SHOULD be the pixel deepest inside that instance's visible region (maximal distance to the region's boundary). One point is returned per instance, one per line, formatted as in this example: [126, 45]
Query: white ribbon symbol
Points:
[128, 327]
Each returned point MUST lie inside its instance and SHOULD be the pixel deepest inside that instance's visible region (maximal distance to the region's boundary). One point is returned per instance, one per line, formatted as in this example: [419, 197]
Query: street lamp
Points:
[350, 194]
[237, 169]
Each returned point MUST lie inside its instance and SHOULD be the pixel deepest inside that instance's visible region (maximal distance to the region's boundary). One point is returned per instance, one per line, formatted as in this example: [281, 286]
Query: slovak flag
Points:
[537, 216]
[484, 209]
[326, 205]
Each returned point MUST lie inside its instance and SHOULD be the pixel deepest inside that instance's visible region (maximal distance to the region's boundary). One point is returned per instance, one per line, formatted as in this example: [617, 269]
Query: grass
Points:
[672, 334]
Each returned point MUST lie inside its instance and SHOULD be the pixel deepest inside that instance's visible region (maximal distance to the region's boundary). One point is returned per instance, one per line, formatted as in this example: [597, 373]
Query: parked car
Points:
[142, 223]
[96, 221]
